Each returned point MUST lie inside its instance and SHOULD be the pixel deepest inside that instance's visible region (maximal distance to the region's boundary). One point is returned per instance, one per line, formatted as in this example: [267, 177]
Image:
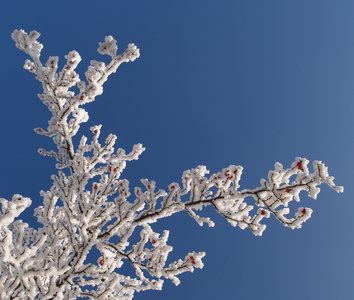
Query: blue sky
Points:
[217, 83]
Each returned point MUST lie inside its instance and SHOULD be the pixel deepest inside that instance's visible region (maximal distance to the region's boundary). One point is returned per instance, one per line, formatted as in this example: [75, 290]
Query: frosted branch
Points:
[91, 208]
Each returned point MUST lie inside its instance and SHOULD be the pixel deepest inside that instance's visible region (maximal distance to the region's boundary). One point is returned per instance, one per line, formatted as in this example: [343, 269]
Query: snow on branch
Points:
[90, 208]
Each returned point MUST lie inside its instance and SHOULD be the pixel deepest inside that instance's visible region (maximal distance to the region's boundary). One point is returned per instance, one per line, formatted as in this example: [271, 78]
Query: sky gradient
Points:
[217, 83]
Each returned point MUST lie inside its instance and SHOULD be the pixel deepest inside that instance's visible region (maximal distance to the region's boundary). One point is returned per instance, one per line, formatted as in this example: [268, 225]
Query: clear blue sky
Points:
[217, 83]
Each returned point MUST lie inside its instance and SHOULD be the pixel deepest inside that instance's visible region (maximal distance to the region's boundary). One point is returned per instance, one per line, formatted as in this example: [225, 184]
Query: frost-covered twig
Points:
[90, 207]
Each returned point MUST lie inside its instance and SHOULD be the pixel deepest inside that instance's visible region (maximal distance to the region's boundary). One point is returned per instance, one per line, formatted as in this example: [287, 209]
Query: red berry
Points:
[101, 262]
[82, 97]
[52, 67]
[114, 170]
[149, 186]
[303, 211]
[192, 260]
[262, 212]
[78, 162]
[299, 166]
[287, 190]
[153, 241]
[154, 282]
[95, 187]
[172, 187]
[235, 172]
[95, 132]
[110, 169]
